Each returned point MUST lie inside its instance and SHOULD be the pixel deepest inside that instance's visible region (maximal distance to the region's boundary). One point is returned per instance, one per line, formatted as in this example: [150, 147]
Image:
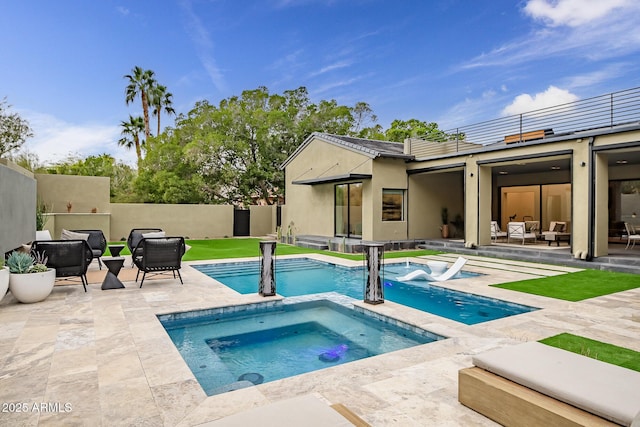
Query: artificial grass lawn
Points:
[576, 286]
[249, 247]
[596, 349]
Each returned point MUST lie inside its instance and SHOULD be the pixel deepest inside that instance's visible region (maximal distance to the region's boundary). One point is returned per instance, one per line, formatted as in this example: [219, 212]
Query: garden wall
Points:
[17, 206]
[83, 193]
[190, 221]
[117, 219]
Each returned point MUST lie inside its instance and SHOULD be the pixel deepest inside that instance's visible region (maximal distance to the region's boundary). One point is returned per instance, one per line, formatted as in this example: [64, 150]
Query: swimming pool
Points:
[303, 276]
[240, 346]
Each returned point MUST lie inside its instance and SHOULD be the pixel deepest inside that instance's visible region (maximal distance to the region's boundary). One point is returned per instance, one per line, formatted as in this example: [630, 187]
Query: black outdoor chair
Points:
[69, 257]
[135, 235]
[97, 242]
[159, 255]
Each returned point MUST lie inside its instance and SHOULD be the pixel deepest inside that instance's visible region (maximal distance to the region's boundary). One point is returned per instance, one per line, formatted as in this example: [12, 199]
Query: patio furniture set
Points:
[524, 231]
[151, 252]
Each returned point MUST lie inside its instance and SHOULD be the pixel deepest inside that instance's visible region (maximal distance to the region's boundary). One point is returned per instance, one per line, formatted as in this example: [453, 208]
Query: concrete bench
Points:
[535, 384]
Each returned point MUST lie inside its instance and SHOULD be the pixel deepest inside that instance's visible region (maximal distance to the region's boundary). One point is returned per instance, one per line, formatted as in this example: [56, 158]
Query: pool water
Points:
[303, 276]
[231, 350]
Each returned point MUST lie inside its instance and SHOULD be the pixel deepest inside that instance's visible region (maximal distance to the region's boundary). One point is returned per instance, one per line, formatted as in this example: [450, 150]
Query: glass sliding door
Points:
[348, 210]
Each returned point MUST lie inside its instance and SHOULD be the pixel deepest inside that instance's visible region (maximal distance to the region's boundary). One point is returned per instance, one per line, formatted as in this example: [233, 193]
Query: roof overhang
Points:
[331, 179]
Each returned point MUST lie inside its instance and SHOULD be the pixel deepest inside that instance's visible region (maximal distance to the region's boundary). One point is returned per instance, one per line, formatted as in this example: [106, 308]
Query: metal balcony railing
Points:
[602, 111]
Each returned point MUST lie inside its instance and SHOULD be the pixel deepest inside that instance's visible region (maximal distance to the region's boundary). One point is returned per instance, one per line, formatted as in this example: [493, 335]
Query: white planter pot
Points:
[32, 287]
[4, 281]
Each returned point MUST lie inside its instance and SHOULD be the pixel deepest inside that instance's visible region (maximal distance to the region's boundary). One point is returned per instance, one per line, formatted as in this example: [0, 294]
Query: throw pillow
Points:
[153, 234]
[559, 227]
[72, 235]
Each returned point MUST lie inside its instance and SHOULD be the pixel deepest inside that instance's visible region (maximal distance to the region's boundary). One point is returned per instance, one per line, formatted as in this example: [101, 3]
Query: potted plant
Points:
[290, 233]
[4, 279]
[444, 213]
[41, 214]
[30, 279]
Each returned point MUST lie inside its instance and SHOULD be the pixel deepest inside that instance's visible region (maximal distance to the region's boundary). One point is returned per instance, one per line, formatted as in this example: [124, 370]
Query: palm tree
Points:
[141, 82]
[161, 98]
[131, 131]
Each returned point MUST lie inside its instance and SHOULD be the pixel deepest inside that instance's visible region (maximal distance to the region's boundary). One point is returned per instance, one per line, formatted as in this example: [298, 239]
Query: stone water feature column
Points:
[373, 292]
[267, 283]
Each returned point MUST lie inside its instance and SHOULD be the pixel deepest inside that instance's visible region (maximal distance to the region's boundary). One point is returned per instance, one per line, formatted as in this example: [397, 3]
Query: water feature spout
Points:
[373, 293]
[267, 283]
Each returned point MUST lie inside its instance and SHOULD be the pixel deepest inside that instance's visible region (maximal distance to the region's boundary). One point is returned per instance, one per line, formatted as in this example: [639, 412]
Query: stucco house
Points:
[340, 186]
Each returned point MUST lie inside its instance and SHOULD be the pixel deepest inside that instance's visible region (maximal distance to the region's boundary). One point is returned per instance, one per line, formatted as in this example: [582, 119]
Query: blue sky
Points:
[455, 62]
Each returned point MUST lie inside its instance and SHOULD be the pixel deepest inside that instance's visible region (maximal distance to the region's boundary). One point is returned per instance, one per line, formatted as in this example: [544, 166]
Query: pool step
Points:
[246, 268]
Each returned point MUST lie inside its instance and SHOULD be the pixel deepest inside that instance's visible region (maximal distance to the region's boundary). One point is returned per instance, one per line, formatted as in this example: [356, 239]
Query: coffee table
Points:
[111, 280]
[554, 236]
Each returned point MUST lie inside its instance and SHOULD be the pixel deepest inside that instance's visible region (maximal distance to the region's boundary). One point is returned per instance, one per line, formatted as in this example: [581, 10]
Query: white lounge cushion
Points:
[153, 234]
[72, 235]
[308, 411]
[606, 390]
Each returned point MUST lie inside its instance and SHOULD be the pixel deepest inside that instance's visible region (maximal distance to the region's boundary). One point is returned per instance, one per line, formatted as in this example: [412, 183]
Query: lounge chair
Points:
[421, 274]
[496, 233]
[98, 243]
[534, 384]
[69, 257]
[517, 231]
[136, 234]
[158, 255]
[632, 235]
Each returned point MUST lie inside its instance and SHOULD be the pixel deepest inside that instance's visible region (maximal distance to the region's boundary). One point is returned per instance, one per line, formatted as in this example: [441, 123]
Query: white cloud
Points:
[331, 67]
[204, 47]
[611, 71]
[468, 111]
[55, 139]
[572, 12]
[122, 10]
[339, 83]
[609, 33]
[551, 97]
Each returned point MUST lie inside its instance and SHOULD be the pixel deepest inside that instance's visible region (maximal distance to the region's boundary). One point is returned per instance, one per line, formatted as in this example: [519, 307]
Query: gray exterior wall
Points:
[17, 206]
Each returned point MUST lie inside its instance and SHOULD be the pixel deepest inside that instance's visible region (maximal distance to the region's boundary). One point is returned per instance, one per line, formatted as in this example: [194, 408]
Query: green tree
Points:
[30, 161]
[174, 171]
[414, 128]
[373, 132]
[121, 174]
[141, 82]
[131, 131]
[232, 152]
[363, 115]
[161, 100]
[14, 130]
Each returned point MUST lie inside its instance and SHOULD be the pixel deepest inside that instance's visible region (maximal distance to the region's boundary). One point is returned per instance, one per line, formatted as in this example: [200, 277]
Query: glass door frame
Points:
[351, 226]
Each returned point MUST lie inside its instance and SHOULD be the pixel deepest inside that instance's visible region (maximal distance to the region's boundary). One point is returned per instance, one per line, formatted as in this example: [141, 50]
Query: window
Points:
[392, 205]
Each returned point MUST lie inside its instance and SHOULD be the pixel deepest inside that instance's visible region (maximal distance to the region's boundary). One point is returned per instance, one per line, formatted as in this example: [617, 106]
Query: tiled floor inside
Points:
[102, 357]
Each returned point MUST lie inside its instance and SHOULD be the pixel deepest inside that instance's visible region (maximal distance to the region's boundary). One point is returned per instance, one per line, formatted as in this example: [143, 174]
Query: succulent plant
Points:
[20, 262]
[38, 268]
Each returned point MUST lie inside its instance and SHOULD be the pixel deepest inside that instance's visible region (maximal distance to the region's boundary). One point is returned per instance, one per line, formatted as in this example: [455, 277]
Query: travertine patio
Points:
[105, 355]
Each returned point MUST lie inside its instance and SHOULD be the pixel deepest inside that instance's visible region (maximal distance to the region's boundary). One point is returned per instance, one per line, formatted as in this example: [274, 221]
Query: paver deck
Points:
[102, 357]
